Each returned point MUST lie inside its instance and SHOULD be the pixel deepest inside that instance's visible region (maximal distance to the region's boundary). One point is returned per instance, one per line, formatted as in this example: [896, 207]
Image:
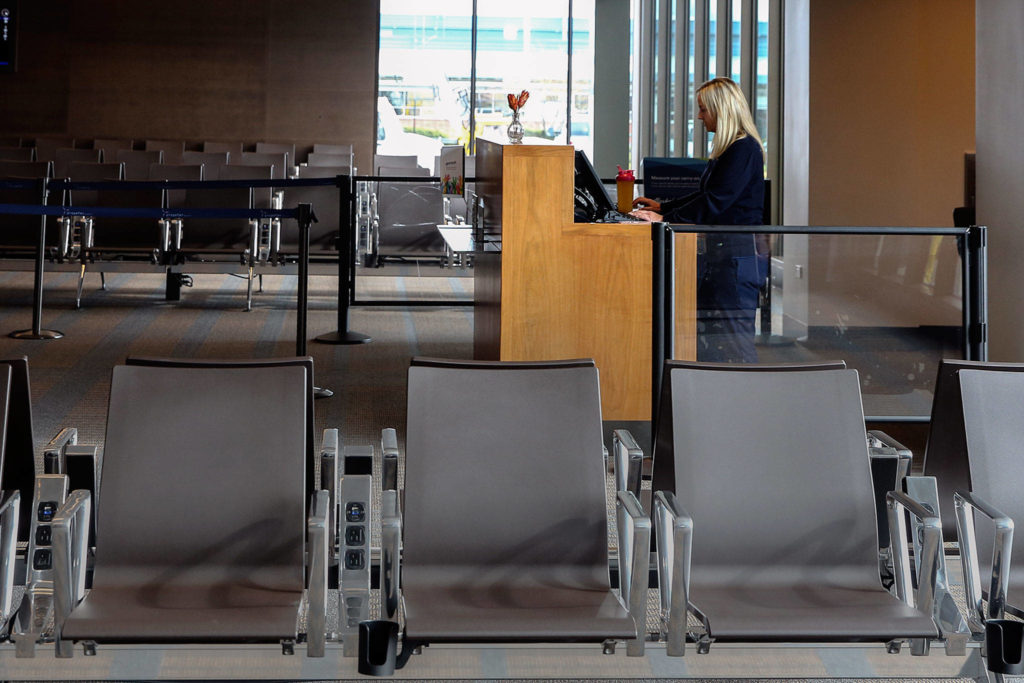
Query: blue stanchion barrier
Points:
[142, 212]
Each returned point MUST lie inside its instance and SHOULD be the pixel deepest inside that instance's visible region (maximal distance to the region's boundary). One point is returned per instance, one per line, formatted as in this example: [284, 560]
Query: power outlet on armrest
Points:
[355, 495]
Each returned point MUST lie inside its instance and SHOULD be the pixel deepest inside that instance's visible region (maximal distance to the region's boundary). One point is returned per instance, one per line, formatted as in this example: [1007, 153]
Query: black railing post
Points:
[658, 322]
[976, 298]
[305, 218]
[37, 331]
[346, 264]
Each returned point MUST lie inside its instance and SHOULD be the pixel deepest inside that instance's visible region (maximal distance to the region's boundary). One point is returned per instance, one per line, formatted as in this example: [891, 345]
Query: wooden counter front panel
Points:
[571, 290]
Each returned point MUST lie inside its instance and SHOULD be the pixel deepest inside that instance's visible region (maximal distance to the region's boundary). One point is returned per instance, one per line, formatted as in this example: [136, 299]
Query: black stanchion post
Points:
[346, 264]
[976, 258]
[658, 232]
[37, 332]
[305, 217]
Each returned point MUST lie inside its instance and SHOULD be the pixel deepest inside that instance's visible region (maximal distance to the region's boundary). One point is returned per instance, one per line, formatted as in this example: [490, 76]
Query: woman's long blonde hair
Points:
[725, 101]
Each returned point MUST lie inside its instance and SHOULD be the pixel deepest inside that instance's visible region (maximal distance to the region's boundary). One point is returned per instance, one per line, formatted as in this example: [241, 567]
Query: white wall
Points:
[1000, 170]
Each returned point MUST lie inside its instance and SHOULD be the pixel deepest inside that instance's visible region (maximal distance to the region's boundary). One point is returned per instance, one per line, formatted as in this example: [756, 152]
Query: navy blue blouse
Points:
[731, 190]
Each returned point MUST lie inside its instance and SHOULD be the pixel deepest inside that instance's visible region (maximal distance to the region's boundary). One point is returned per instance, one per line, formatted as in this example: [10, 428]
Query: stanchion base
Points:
[338, 337]
[30, 334]
[320, 392]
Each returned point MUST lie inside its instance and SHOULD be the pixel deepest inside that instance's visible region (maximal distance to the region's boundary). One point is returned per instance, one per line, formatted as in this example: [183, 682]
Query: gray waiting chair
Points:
[323, 234]
[946, 455]
[172, 149]
[201, 518]
[232, 148]
[137, 162]
[63, 158]
[26, 169]
[327, 148]
[212, 162]
[993, 432]
[324, 159]
[504, 517]
[10, 501]
[323, 171]
[278, 160]
[408, 214]
[17, 153]
[770, 534]
[394, 161]
[84, 171]
[109, 147]
[18, 471]
[277, 148]
[46, 147]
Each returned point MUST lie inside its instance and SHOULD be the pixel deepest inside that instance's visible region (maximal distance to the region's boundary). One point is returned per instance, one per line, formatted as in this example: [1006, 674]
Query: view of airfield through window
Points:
[426, 73]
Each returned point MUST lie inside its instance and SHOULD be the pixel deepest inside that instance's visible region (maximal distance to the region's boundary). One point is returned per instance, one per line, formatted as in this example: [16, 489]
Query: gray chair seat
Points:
[809, 612]
[469, 612]
[246, 609]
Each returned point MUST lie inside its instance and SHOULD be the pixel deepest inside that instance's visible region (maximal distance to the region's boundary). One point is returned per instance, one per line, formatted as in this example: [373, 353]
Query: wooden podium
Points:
[559, 289]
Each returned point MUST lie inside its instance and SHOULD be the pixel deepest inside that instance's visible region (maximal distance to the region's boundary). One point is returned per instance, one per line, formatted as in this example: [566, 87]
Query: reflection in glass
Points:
[890, 306]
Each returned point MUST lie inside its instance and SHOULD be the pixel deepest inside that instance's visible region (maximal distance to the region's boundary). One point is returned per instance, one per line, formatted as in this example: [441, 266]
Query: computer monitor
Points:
[591, 196]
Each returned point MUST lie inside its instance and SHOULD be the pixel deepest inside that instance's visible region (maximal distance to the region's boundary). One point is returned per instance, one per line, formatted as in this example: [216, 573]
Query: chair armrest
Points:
[966, 504]
[627, 460]
[10, 512]
[70, 557]
[319, 549]
[391, 554]
[389, 459]
[634, 529]
[899, 503]
[674, 529]
[53, 452]
[878, 438]
[329, 468]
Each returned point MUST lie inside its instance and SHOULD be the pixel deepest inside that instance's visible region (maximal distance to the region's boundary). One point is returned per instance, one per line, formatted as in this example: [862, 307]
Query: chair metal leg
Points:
[248, 295]
[78, 293]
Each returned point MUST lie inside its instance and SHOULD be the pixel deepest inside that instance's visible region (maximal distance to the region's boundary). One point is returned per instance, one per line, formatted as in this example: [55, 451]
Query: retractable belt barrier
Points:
[303, 214]
[972, 245]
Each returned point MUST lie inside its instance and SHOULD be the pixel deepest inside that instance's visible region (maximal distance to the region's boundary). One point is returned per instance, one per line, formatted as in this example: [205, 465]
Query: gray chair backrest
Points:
[322, 148]
[22, 231]
[663, 476]
[217, 233]
[261, 196]
[19, 462]
[211, 161]
[304, 362]
[322, 234]
[46, 148]
[64, 157]
[993, 408]
[503, 468]
[17, 153]
[85, 171]
[945, 456]
[409, 215]
[176, 172]
[233, 148]
[137, 162]
[323, 171]
[26, 169]
[324, 159]
[172, 149]
[203, 472]
[403, 160]
[278, 160]
[277, 148]
[773, 468]
[109, 147]
[5, 399]
[112, 233]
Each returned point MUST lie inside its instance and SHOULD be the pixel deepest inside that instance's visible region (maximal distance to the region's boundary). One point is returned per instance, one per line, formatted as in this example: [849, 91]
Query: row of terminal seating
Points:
[16, 148]
[395, 220]
[210, 528]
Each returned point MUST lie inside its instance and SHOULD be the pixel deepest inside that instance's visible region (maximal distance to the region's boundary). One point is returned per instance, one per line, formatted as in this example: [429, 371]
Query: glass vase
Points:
[515, 130]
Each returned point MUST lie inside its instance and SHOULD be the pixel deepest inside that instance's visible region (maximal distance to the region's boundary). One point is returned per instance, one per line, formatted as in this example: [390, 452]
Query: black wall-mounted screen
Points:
[8, 35]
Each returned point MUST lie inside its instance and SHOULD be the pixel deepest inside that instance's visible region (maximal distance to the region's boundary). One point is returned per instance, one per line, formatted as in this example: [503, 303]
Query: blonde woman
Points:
[731, 192]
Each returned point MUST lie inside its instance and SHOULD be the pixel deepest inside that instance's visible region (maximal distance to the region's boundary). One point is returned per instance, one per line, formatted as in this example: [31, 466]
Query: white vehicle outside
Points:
[392, 139]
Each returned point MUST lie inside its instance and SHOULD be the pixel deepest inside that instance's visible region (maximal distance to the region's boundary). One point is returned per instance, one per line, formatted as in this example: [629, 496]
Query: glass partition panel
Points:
[889, 305]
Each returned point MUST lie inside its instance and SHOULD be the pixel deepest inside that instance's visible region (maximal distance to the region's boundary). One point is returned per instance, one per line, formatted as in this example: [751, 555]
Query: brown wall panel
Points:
[273, 70]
